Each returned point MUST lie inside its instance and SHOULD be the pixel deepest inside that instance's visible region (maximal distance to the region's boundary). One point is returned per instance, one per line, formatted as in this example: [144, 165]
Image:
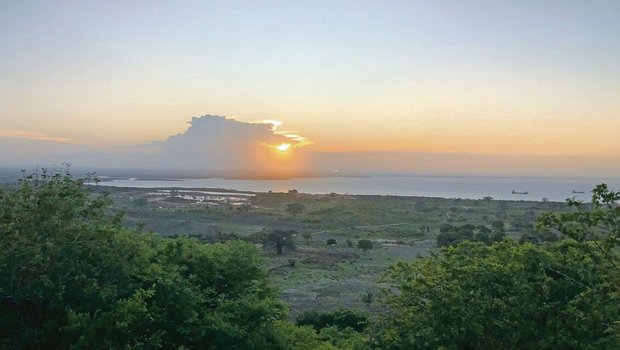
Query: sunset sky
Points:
[482, 77]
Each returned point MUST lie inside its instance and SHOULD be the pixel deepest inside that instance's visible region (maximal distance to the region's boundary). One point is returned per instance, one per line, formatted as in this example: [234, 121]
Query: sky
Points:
[471, 78]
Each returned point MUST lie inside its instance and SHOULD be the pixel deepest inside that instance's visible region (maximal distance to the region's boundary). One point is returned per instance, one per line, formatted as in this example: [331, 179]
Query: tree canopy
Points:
[503, 296]
[563, 294]
[364, 244]
[280, 239]
[340, 318]
[72, 277]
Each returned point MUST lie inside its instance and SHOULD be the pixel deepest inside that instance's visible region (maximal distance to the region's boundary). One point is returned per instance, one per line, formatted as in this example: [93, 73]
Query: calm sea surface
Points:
[446, 187]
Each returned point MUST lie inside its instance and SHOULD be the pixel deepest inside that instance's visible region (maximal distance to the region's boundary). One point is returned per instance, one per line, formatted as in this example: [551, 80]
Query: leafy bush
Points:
[451, 235]
[504, 296]
[340, 318]
[71, 276]
[560, 295]
[295, 208]
[364, 244]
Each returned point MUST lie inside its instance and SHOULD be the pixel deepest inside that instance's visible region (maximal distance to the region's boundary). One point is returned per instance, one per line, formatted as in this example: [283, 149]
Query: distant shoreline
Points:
[529, 189]
[365, 176]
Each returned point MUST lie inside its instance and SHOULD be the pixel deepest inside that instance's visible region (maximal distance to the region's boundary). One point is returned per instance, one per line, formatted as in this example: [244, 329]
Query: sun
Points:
[283, 147]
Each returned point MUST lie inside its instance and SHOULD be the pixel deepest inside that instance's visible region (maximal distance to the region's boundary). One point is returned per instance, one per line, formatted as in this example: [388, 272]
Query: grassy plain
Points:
[316, 276]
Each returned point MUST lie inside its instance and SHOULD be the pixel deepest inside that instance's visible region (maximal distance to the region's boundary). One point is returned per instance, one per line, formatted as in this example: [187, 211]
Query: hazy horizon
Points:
[217, 146]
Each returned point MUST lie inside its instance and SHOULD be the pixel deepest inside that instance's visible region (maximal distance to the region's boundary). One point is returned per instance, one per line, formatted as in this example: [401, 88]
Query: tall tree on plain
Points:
[280, 239]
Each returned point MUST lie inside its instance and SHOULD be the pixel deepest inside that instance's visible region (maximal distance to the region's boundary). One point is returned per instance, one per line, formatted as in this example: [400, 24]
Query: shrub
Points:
[72, 277]
[341, 318]
[364, 244]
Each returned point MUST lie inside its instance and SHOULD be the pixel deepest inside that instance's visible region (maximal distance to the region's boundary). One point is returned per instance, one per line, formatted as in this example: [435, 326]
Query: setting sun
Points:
[283, 147]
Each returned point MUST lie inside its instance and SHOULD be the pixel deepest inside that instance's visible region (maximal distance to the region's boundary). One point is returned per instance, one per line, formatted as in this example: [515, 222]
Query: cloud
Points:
[30, 135]
[220, 143]
[297, 140]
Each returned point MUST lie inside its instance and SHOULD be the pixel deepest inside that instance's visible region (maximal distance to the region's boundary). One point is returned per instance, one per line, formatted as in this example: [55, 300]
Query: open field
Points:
[316, 276]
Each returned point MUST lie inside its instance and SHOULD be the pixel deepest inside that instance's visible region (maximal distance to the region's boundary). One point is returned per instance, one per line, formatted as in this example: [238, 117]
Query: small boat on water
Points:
[515, 192]
[578, 191]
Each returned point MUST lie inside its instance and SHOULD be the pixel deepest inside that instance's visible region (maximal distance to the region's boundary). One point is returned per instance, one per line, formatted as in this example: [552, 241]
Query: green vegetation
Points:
[72, 277]
[451, 235]
[504, 296]
[597, 223]
[76, 273]
[276, 239]
[563, 295]
[295, 208]
[364, 244]
[340, 318]
[325, 277]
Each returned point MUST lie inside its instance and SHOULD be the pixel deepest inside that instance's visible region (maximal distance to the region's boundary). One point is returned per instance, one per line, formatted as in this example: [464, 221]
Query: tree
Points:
[285, 335]
[445, 239]
[501, 296]
[499, 231]
[347, 338]
[341, 318]
[72, 277]
[538, 238]
[498, 225]
[482, 237]
[364, 244]
[280, 239]
[453, 235]
[563, 294]
[497, 236]
[295, 208]
[597, 224]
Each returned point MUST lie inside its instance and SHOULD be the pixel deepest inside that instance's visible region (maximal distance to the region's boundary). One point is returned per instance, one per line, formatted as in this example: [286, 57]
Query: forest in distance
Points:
[128, 268]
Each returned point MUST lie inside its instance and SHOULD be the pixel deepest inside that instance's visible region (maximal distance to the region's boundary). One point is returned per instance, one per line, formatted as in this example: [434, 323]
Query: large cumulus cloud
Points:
[220, 143]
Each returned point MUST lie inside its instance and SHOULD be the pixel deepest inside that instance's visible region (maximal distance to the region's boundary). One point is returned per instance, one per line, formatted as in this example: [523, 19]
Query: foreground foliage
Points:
[596, 223]
[339, 318]
[564, 295]
[500, 297]
[72, 277]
